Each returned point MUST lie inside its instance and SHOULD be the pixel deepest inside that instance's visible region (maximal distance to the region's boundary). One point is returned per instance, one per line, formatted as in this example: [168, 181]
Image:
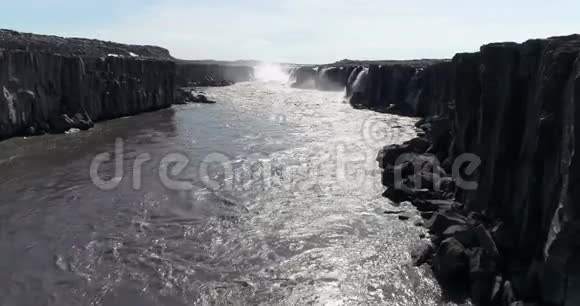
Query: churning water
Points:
[279, 204]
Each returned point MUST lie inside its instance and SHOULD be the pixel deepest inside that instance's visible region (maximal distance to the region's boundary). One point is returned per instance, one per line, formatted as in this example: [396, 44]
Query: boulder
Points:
[425, 205]
[407, 215]
[441, 221]
[201, 98]
[463, 233]
[390, 154]
[188, 95]
[422, 252]
[450, 262]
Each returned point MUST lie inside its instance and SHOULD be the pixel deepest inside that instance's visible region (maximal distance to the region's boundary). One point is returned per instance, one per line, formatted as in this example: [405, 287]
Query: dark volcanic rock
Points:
[204, 75]
[450, 262]
[304, 77]
[422, 253]
[188, 95]
[52, 84]
[332, 78]
[46, 92]
[514, 108]
[442, 221]
[326, 78]
[414, 90]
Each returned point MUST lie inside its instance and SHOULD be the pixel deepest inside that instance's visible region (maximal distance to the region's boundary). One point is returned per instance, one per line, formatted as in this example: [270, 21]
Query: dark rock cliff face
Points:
[414, 88]
[197, 74]
[52, 84]
[515, 106]
[404, 89]
[321, 78]
[524, 125]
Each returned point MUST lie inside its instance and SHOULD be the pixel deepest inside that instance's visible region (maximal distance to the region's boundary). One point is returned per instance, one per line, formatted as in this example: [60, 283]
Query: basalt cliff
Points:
[494, 172]
[413, 88]
[52, 84]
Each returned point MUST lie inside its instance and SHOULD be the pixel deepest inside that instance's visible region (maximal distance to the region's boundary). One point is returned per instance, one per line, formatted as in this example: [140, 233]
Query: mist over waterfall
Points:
[271, 73]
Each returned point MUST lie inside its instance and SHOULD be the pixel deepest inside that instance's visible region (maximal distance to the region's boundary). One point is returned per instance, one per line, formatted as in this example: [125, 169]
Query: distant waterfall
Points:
[356, 87]
[360, 83]
[271, 73]
[351, 79]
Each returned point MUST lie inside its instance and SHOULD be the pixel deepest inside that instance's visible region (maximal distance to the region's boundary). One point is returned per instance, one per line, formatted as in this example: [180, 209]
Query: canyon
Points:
[510, 241]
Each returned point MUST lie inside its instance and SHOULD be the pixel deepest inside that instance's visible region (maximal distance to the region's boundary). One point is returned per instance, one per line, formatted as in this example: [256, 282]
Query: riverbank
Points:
[504, 119]
[52, 84]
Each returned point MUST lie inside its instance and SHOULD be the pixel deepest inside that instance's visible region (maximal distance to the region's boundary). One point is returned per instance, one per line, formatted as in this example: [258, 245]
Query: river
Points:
[272, 196]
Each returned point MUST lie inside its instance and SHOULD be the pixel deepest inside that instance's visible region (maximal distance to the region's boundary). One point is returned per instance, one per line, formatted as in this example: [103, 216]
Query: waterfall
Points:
[360, 83]
[292, 74]
[271, 73]
[351, 79]
[356, 87]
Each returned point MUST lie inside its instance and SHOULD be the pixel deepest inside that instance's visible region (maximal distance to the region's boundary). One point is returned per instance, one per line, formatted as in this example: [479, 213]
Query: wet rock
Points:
[440, 221]
[304, 77]
[434, 205]
[426, 214]
[188, 95]
[436, 239]
[463, 233]
[450, 262]
[405, 216]
[201, 98]
[421, 253]
[64, 123]
[389, 155]
[393, 212]
[332, 78]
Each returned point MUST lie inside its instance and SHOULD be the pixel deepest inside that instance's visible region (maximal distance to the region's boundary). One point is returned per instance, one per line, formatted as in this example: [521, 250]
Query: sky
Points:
[298, 31]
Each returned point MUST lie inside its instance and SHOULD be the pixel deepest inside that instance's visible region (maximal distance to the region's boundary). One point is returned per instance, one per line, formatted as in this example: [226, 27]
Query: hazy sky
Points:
[303, 31]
